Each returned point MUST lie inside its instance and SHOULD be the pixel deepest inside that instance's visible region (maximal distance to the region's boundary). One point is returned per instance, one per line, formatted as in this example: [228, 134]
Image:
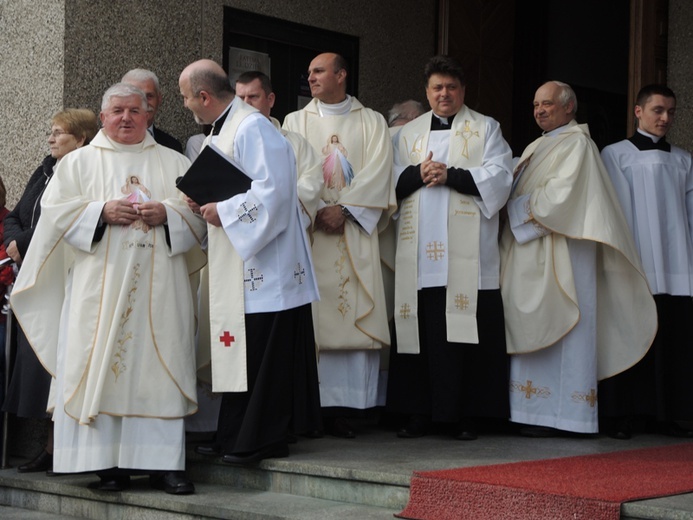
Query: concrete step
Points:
[69, 497]
[15, 513]
[363, 478]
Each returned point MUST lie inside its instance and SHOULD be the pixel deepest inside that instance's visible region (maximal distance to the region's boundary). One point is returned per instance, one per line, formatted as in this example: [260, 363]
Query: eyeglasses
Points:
[57, 133]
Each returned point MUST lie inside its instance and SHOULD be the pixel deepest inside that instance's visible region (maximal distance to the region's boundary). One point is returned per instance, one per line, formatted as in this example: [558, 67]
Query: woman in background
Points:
[27, 395]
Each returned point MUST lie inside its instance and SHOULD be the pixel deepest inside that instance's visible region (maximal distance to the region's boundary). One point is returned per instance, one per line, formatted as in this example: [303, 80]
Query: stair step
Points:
[69, 497]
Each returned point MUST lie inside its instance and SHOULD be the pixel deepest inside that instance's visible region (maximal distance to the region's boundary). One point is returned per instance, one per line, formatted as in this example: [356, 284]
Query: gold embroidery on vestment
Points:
[530, 390]
[405, 311]
[467, 133]
[124, 336]
[590, 398]
[416, 152]
[435, 251]
[343, 306]
[462, 301]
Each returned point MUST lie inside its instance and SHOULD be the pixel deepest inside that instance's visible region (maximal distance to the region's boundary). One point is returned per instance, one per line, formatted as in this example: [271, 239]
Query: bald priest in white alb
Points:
[261, 281]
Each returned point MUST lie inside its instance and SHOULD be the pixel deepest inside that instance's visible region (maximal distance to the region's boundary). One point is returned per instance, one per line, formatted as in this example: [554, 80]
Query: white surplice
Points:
[655, 189]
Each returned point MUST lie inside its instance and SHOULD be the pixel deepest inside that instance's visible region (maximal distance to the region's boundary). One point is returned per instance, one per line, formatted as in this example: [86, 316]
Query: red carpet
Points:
[590, 487]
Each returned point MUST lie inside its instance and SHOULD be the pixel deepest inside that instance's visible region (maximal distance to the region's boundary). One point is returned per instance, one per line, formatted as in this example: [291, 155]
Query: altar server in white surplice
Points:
[577, 304]
[107, 273]
[261, 281]
[654, 182]
[453, 175]
[351, 317]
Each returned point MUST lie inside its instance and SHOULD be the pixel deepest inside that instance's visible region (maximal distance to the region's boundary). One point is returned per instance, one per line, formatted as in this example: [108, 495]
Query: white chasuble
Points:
[357, 160]
[123, 305]
[439, 230]
[571, 196]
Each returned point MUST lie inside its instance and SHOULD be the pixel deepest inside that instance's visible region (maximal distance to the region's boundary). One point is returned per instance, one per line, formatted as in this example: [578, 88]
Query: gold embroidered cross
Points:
[592, 398]
[405, 311]
[467, 133]
[462, 301]
[528, 389]
[435, 251]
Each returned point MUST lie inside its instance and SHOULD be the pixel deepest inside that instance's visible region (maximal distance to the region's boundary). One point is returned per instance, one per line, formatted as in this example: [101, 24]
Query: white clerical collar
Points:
[556, 131]
[654, 138]
[336, 109]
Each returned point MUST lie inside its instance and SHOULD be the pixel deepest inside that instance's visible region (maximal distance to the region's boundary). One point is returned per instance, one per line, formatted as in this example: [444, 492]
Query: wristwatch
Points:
[346, 213]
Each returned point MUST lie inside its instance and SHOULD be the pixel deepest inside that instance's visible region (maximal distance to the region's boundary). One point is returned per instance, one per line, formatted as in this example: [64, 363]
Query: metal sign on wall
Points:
[242, 60]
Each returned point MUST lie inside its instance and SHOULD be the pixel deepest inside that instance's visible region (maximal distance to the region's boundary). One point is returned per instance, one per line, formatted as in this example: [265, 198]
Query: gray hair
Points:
[406, 110]
[567, 95]
[141, 75]
[122, 90]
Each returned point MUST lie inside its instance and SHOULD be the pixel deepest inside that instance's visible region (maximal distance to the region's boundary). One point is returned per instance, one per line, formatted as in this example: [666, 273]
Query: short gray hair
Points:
[407, 110]
[141, 75]
[567, 95]
[122, 90]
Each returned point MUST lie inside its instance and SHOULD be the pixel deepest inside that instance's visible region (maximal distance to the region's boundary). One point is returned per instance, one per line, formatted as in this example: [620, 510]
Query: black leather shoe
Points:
[210, 450]
[274, 451]
[339, 427]
[415, 428]
[111, 483]
[172, 482]
[43, 462]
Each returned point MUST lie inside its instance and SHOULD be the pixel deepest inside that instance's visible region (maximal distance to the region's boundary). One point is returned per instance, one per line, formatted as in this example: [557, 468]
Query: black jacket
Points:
[21, 221]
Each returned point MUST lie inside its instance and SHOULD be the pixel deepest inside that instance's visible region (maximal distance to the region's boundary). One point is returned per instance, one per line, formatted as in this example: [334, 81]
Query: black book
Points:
[213, 177]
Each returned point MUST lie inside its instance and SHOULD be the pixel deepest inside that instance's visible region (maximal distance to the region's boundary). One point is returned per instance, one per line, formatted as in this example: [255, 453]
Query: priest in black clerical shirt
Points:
[453, 174]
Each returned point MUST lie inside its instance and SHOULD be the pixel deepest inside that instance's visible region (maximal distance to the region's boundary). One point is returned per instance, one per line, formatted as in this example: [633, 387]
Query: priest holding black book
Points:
[261, 279]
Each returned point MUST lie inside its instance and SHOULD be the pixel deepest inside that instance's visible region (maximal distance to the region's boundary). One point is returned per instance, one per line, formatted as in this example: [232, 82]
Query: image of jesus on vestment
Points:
[136, 193]
[336, 170]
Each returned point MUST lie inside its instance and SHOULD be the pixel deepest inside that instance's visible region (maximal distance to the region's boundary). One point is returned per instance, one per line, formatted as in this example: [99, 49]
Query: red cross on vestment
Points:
[227, 339]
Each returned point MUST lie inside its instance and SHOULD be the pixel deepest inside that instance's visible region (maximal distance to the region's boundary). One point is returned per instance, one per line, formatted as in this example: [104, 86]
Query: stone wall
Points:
[31, 85]
[65, 53]
[680, 70]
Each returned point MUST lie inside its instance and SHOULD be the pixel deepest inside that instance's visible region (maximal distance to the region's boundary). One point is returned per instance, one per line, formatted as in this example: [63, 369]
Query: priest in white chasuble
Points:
[261, 281]
[654, 183]
[452, 170]
[357, 200]
[578, 308]
[105, 300]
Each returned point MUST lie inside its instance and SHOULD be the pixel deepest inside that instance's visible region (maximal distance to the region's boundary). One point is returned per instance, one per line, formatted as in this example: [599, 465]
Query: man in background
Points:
[148, 82]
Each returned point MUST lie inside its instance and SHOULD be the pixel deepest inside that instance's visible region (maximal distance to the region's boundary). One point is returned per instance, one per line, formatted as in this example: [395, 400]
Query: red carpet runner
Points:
[590, 487]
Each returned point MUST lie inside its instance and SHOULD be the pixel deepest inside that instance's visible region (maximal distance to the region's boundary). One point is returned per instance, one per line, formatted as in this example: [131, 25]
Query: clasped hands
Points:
[433, 173]
[122, 212]
[330, 219]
